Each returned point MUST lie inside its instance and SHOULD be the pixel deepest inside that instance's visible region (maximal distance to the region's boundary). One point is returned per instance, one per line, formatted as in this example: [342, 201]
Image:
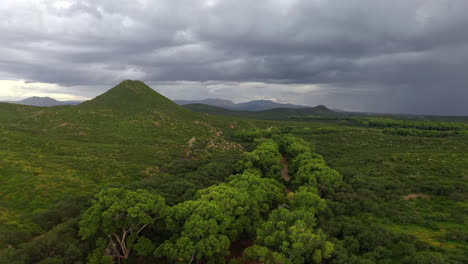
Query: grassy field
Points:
[409, 185]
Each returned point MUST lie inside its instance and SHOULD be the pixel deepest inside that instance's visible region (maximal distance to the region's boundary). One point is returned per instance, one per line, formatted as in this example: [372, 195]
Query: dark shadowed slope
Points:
[257, 105]
[215, 110]
[277, 113]
[15, 111]
[262, 105]
[214, 102]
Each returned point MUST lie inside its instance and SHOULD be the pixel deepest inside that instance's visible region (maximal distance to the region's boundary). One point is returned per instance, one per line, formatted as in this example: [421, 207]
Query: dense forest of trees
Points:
[192, 211]
[252, 204]
[125, 224]
[418, 128]
[424, 125]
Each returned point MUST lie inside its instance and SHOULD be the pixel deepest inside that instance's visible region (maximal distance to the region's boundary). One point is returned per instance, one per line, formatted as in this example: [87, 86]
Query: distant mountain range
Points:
[43, 101]
[257, 105]
[214, 102]
[272, 114]
[218, 106]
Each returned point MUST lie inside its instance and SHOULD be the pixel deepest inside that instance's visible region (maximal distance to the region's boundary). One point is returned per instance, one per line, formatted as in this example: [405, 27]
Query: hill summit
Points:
[39, 101]
[130, 97]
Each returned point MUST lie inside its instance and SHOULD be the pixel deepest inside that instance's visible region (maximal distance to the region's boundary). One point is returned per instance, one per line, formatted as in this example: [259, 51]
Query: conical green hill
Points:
[130, 97]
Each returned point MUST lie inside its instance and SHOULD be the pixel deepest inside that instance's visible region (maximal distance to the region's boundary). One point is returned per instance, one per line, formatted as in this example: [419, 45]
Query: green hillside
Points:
[49, 154]
[12, 112]
[133, 97]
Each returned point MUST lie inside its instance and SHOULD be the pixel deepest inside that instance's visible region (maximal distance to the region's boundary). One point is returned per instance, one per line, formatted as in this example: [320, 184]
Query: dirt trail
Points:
[238, 247]
[285, 170]
[415, 196]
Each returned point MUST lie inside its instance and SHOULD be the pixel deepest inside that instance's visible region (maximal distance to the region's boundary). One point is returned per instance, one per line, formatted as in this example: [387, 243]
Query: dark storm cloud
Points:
[398, 56]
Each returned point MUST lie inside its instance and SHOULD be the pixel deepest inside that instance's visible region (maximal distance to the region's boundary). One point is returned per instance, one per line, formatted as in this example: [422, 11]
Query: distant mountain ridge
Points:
[271, 114]
[253, 106]
[256, 105]
[214, 102]
[43, 101]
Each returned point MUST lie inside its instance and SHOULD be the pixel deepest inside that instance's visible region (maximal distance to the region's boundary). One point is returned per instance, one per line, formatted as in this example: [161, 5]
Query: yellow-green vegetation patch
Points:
[26, 185]
[431, 236]
[9, 217]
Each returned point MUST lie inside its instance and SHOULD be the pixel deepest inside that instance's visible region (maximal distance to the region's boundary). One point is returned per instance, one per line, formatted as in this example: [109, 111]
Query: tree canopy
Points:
[119, 216]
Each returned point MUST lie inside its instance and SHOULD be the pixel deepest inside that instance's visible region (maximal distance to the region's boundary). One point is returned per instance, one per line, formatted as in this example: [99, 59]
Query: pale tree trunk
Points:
[120, 250]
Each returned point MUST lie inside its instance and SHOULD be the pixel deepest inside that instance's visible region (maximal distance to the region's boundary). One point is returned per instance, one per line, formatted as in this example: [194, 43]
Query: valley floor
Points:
[401, 195]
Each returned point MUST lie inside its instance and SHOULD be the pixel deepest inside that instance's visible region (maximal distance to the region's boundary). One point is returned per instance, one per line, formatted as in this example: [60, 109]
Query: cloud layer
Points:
[372, 55]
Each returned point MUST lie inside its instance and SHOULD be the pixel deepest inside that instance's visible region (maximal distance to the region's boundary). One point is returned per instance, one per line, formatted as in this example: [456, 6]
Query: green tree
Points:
[289, 235]
[120, 215]
[327, 179]
[266, 157]
[203, 229]
[199, 229]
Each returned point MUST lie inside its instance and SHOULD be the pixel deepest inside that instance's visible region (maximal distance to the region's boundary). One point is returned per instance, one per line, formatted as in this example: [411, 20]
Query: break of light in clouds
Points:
[369, 55]
[11, 89]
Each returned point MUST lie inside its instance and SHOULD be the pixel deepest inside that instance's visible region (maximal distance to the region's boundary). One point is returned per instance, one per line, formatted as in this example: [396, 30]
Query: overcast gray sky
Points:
[407, 56]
